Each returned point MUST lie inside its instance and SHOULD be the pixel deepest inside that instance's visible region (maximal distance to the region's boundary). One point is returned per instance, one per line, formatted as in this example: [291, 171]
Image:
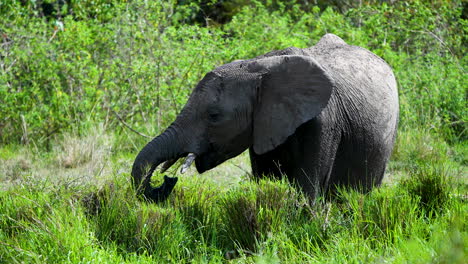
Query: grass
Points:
[74, 204]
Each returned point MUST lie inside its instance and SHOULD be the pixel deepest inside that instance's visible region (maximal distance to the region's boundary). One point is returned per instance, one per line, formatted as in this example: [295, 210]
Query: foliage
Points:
[137, 61]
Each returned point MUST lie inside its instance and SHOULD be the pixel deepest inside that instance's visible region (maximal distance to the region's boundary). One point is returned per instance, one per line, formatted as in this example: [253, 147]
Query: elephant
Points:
[324, 117]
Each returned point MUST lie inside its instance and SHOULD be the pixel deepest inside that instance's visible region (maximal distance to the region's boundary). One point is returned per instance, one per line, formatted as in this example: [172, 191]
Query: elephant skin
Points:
[324, 116]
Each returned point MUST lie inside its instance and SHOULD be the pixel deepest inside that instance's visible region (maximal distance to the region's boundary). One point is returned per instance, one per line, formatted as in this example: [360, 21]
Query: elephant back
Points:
[364, 85]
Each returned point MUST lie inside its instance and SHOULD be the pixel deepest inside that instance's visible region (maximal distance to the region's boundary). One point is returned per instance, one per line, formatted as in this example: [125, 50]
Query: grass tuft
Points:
[254, 210]
[74, 151]
[430, 186]
[381, 216]
[240, 216]
[15, 168]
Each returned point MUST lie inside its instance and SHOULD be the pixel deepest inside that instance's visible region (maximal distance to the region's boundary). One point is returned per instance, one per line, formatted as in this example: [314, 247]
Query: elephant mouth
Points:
[189, 159]
[203, 162]
[207, 161]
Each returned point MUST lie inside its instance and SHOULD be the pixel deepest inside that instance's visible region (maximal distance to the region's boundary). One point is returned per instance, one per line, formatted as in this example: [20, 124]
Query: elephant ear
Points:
[293, 90]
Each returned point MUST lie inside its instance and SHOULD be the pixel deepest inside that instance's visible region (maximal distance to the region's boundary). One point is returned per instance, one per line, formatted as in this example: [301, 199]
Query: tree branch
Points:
[128, 126]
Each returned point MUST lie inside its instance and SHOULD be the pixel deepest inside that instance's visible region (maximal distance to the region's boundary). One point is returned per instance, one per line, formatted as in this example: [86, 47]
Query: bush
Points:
[115, 61]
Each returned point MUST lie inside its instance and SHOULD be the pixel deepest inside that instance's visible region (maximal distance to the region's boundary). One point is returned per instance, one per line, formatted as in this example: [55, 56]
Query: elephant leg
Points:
[314, 170]
[307, 158]
[361, 169]
[269, 164]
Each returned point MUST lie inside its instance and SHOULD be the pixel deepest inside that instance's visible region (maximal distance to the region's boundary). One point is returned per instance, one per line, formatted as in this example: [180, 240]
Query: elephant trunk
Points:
[162, 148]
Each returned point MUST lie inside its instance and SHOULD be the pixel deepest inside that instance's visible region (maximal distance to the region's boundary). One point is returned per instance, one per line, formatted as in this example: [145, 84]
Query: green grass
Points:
[52, 212]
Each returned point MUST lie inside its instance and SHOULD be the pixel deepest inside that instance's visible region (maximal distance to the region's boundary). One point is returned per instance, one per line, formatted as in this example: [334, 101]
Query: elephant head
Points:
[254, 103]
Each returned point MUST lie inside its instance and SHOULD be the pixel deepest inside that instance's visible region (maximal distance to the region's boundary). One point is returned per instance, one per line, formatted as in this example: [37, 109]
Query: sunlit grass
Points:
[88, 212]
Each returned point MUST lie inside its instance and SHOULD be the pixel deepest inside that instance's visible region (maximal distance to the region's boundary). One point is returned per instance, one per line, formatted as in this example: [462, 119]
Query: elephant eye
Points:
[214, 115]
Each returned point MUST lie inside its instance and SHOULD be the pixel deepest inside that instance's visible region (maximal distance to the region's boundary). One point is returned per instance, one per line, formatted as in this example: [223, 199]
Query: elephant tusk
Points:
[168, 164]
[188, 161]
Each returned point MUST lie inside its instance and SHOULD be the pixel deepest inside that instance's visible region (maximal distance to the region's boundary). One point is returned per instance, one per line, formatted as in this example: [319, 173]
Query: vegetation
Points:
[75, 75]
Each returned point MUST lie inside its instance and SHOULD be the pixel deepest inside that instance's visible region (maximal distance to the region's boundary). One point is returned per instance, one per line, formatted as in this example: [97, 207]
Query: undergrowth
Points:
[418, 215]
[134, 63]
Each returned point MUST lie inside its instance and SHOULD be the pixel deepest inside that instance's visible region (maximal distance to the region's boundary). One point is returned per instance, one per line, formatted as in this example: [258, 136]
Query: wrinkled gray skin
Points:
[323, 116]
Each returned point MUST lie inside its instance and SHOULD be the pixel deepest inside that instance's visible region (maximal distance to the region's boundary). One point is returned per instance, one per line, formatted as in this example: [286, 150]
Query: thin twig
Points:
[326, 222]
[441, 41]
[53, 35]
[24, 126]
[181, 84]
[435, 37]
[244, 170]
[128, 126]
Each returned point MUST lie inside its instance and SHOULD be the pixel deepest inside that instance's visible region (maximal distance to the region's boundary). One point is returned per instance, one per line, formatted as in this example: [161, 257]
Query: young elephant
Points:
[323, 116]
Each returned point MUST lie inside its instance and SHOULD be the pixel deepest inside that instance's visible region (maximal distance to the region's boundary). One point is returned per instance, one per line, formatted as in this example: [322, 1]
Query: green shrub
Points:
[113, 61]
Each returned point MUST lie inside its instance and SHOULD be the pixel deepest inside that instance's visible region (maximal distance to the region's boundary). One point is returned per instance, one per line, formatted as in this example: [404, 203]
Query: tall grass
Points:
[419, 217]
